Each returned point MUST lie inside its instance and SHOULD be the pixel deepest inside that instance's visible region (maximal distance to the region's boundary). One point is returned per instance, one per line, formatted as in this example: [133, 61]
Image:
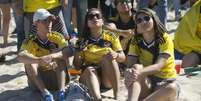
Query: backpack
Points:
[77, 92]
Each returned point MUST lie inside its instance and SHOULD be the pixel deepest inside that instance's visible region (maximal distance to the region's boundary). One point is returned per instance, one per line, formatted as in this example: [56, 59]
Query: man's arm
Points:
[27, 58]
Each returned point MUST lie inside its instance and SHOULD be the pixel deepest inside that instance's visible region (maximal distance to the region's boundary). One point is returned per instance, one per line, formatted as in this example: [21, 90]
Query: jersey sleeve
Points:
[133, 50]
[166, 47]
[116, 45]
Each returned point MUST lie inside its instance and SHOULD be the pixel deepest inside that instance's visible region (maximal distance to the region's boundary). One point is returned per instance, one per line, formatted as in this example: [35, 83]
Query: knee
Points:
[107, 59]
[138, 66]
[88, 72]
[61, 64]
[172, 88]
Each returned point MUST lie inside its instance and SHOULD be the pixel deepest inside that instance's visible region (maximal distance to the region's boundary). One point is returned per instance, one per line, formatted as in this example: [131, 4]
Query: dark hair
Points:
[159, 28]
[86, 31]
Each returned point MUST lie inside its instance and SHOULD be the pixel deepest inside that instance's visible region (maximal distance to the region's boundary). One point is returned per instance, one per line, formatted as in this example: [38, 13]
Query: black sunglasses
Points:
[145, 18]
[91, 16]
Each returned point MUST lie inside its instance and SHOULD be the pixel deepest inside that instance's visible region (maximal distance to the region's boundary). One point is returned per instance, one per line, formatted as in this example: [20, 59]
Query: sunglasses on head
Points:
[93, 15]
[140, 20]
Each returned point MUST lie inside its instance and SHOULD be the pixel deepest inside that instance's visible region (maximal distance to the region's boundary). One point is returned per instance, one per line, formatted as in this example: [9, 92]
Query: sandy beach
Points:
[14, 87]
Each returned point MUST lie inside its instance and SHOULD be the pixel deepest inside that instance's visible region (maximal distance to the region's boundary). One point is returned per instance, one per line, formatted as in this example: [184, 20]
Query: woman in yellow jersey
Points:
[188, 37]
[100, 50]
[150, 75]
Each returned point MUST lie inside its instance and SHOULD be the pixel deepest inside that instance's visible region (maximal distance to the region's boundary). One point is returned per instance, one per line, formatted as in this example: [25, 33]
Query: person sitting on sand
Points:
[123, 24]
[150, 73]
[43, 57]
[98, 53]
[188, 37]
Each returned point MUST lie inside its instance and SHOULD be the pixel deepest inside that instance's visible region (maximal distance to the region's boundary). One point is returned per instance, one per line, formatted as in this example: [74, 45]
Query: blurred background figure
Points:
[177, 8]
[159, 6]
[79, 12]
[53, 6]
[5, 6]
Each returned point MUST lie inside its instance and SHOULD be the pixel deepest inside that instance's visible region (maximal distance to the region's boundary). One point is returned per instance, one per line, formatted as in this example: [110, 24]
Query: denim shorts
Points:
[156, 81]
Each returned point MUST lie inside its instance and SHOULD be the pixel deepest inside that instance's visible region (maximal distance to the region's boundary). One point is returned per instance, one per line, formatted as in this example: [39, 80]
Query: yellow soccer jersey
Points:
[38, 48]
[146, 55]
[32, 5]
[95, 49]
[187, 36]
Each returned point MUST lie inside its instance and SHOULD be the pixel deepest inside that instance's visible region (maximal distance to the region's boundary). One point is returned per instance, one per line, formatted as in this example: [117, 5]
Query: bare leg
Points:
[90, 79]
[165, 93]
[61, 74]
[190, 59]
[74, 17]
[32, 74]
[6, 21]
[110, 70]
[139, 89]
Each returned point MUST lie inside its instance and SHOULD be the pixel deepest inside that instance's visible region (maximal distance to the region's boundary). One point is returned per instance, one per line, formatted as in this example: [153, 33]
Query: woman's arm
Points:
[112, 27]
[155, 68]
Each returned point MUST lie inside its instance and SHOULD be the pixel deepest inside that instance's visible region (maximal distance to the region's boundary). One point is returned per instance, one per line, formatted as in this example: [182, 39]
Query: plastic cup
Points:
[178, 65]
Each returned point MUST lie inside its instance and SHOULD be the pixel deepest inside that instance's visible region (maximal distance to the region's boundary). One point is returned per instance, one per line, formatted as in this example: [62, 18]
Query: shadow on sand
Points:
[20, 95]
[7, 77]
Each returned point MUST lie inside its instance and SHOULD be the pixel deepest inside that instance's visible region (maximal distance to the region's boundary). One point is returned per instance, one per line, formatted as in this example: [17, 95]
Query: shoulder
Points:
[55, 34]
[167, 37]
[29, 39]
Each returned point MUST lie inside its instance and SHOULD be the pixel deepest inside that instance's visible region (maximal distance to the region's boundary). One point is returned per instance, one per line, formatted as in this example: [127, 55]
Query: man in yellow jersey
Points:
[53, 6]
[42, 56]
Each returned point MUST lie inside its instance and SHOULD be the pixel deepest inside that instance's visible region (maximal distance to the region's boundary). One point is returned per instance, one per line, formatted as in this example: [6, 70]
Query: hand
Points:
[113, 55]
[45, 60]
[131, 75]
[53, 65]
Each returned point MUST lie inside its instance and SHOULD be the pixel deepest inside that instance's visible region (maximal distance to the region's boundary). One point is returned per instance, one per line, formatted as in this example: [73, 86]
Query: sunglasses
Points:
[93, 15]
[145, 18]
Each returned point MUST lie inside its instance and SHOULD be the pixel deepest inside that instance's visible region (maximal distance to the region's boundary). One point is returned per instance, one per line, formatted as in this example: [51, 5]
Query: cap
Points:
[41, 14]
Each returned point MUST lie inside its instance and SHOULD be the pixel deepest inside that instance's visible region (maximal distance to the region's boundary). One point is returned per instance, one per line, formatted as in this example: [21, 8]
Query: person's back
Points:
[189, 30]
[33, 5]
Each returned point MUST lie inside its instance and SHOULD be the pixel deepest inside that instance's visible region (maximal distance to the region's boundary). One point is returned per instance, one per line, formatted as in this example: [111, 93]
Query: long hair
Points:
[86, 31]
[85, 36]
[159, 28]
